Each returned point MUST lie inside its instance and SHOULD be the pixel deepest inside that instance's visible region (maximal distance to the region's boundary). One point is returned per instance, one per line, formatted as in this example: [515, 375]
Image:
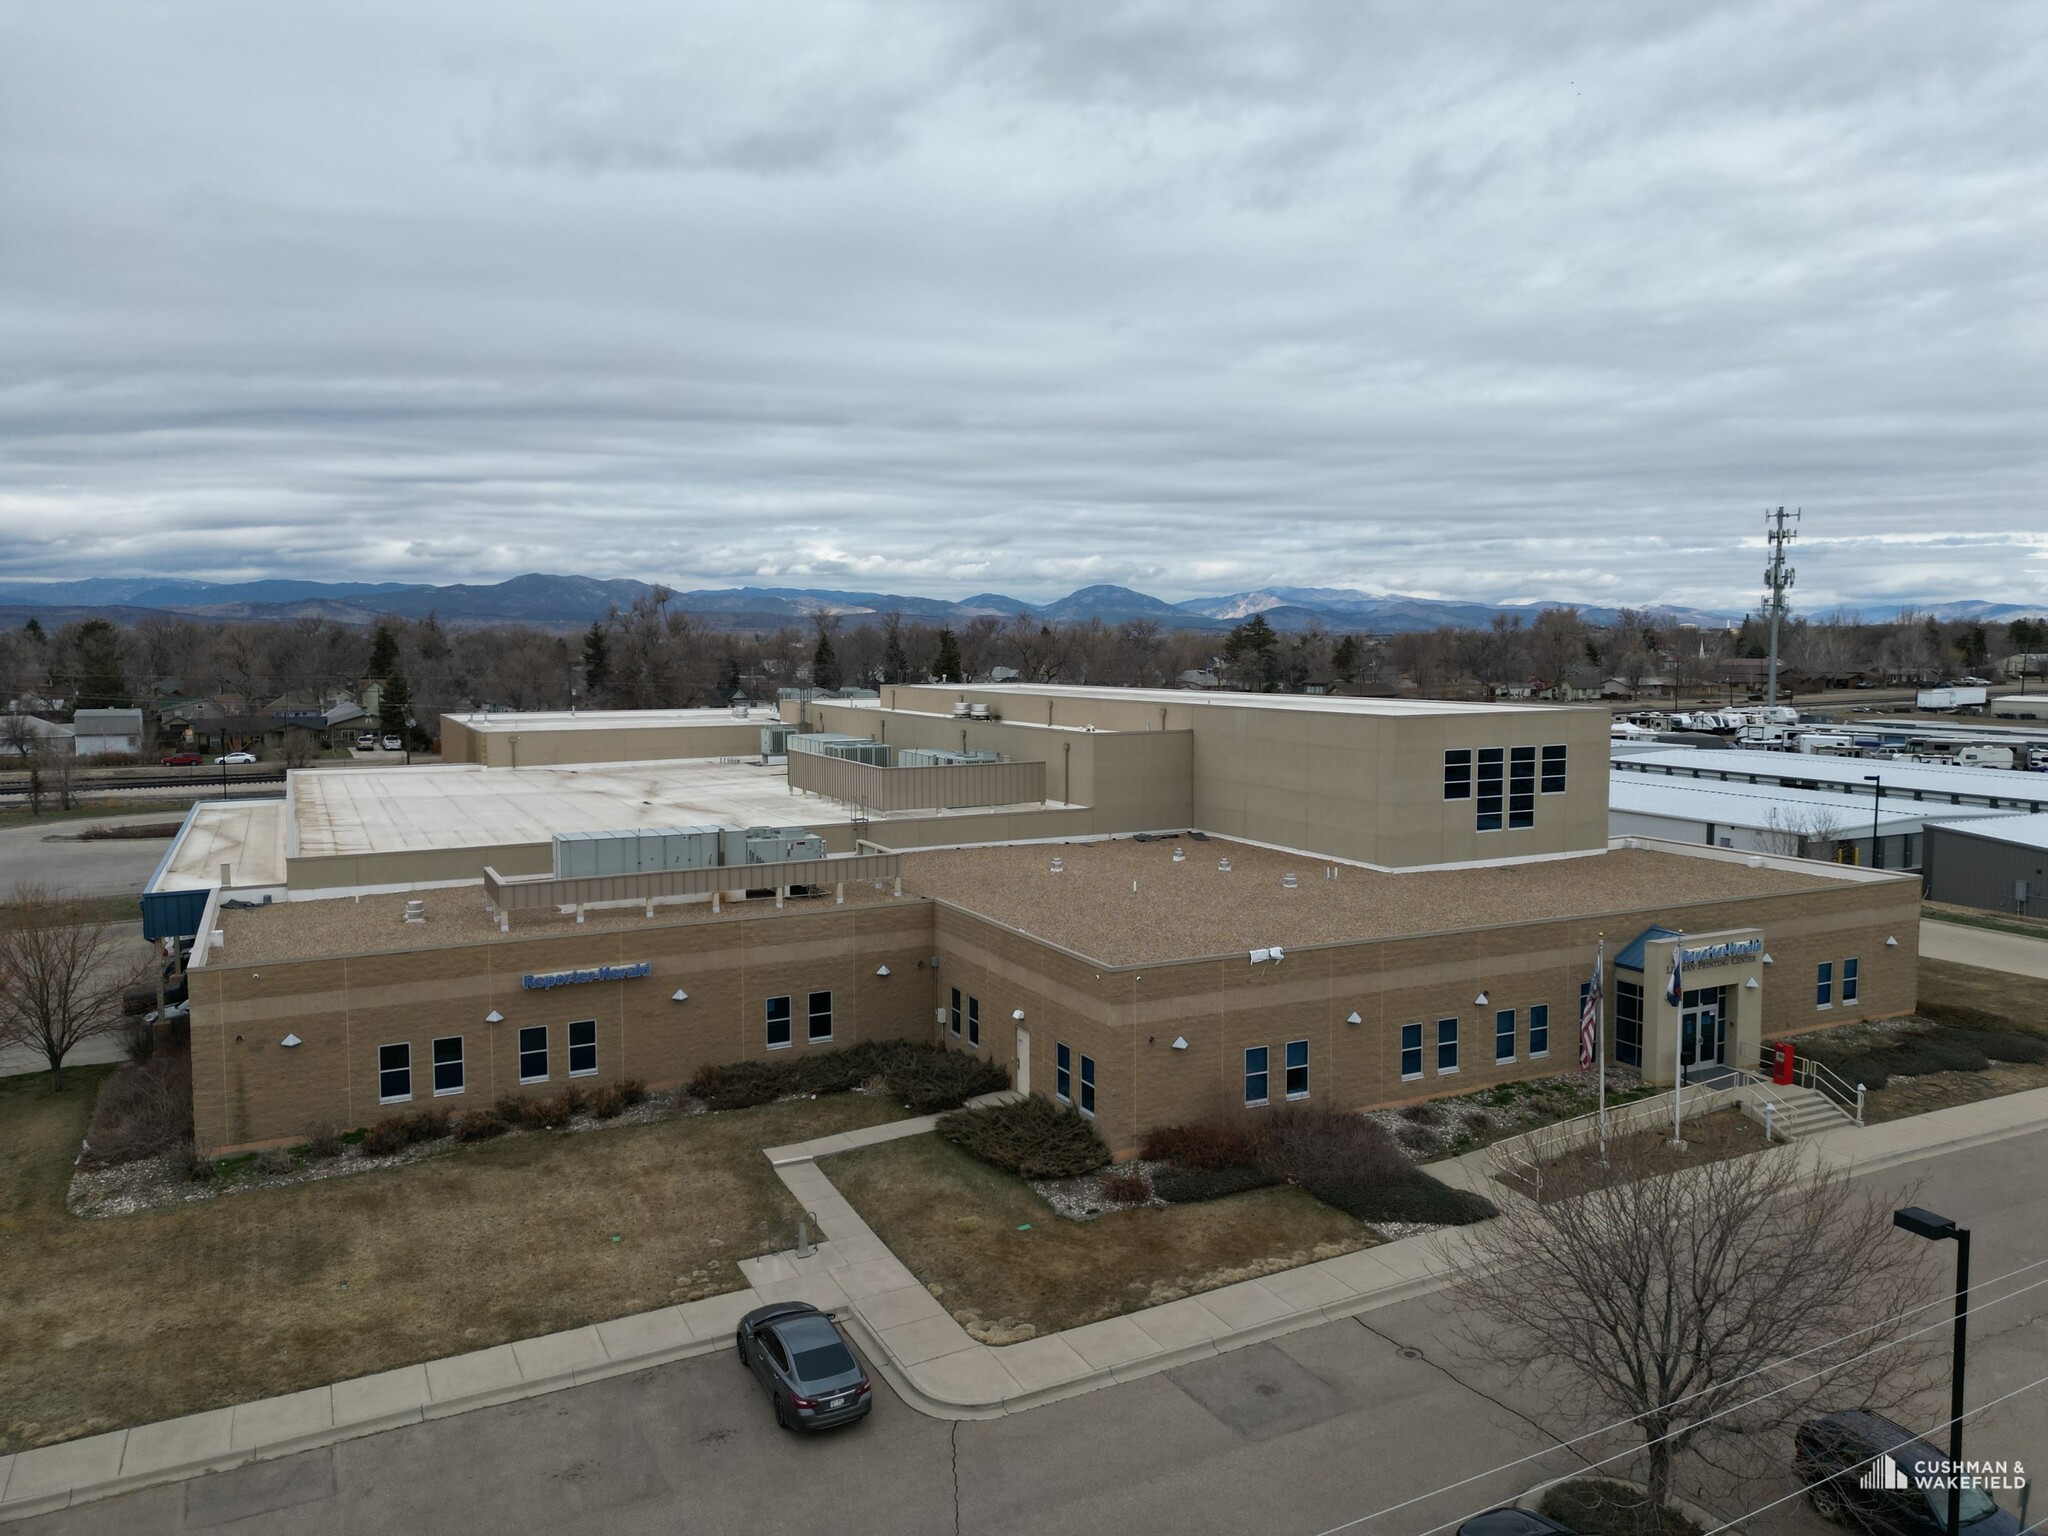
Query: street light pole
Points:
[1876, 804]
[1924, 1223]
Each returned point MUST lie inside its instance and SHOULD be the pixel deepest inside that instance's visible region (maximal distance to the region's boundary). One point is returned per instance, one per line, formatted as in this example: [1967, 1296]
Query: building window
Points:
[394, 1073]
[1255, 1075]
[1504, 1034]
[1824, 985]
[1297, 1069]
[1522, 787]
[974, 1022]
[583, 1046]
[1488, 817]
[1458, 774]
[1411, 1052]
[1539, 1029]
[953, 1018]
[1447, 1045]
[447, 1065]
[1063, 1073]
[821, 1017]
[1628, 1023]
[533, 1053]
[1553, 770]
[1087, 1085]
[1849, 969]
[778, 1022]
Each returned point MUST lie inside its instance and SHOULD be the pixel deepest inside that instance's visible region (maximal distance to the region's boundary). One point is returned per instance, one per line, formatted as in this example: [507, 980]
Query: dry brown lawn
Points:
[127, 1320]
[2021, 1001]
[1711, 1138]
[998, 1256]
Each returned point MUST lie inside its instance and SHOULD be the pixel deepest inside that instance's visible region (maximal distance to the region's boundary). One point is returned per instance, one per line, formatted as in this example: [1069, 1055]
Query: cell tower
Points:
[1778, 578]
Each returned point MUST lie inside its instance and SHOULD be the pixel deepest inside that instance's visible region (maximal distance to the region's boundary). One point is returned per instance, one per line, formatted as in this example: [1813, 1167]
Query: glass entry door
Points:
[1703, 1030]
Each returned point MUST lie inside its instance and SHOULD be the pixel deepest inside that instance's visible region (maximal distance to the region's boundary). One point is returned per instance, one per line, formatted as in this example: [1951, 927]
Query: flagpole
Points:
[1600, 1039]
[1675, 995]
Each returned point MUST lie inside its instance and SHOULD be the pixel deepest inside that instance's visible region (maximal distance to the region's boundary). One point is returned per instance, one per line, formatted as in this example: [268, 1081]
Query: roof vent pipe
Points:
[1223, 865]
[1180, 855]
[1289, 881]
[415, 911]
[1059, 866]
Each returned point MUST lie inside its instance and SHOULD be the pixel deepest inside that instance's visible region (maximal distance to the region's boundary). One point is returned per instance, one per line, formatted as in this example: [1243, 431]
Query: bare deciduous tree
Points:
[61, 976]
[1669, 1302]
[1813, 833]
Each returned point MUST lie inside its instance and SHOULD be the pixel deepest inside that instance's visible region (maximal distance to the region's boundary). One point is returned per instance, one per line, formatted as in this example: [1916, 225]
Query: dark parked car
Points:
[799, 1355]
[1864, 1471]
[1513, 1522]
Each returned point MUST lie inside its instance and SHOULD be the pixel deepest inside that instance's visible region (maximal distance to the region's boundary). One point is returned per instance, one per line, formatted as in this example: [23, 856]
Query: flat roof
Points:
[2020, 831]
[1755, 805]
[1899, 777]
[381, 809]
[1192, 910]
[498, 722]
[1212, 698]
[246, 835]
[337, 925]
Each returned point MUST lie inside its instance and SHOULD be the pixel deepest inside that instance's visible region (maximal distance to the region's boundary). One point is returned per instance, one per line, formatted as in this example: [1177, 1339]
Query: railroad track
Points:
[15, 787]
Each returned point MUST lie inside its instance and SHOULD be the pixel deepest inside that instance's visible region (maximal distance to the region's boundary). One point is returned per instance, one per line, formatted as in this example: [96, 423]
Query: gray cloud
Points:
[1534, 302]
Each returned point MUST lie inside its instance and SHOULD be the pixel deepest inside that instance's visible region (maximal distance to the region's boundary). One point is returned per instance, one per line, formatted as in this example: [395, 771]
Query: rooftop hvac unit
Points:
[775, 740]
[960, 709]
[977, 712]
[780, 845]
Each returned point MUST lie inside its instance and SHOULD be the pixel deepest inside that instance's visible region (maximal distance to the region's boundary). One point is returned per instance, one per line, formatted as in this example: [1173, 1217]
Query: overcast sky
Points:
[1542, 300]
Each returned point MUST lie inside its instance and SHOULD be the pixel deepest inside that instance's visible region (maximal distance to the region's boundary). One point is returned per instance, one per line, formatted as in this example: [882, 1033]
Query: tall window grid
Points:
[1487, 809]
[1256, 1076]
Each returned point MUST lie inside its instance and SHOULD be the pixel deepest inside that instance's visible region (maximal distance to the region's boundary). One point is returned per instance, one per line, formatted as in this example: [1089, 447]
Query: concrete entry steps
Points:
[1799, 1112]
[907, 1336]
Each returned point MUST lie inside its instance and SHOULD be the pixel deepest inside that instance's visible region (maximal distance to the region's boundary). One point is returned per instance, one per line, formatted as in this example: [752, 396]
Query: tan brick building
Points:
[1225, 903]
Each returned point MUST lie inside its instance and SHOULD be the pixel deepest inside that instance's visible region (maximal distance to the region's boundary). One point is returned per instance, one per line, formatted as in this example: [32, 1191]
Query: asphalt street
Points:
[49, 854]
[1295, 1436]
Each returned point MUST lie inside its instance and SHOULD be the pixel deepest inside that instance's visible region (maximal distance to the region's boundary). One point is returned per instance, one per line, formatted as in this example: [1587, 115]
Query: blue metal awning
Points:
[1630, 956]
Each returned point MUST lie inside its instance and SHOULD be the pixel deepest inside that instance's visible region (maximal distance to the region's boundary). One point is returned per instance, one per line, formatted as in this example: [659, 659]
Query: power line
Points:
[1774, 1365]
[1968, 1414]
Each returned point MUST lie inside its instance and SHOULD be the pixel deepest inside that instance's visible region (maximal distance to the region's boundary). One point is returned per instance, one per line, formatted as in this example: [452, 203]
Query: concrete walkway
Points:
[906, 1334]
[1986, 947]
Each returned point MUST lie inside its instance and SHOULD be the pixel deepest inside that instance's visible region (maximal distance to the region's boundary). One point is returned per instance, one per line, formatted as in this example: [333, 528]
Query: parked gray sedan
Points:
[799, 1355]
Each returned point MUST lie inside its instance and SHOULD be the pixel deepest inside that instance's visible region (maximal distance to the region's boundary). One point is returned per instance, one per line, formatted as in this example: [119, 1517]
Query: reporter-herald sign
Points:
[540, 981]
[1730, 953]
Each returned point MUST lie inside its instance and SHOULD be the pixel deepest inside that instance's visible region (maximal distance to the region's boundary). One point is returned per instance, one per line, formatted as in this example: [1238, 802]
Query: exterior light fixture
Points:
[1180, 1042]
[1279, 953]
[1353, 1018]
[679, 996]
[494, 1017]
[1017, 1014]
[1924, 1223]
[881, 970]
[1749, 985]
[290, 1040]
[1769, 961]
[1891, 942]
[1479, 1001]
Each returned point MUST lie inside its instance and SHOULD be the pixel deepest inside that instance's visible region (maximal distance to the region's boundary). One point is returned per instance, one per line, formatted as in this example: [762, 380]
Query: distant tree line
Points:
[652, 654]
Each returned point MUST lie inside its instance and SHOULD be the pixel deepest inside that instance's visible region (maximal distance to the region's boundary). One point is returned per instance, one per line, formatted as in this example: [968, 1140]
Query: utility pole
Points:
[1777, 581]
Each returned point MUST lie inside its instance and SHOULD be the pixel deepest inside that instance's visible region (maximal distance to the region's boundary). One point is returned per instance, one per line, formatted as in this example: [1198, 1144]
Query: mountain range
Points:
[573, 601]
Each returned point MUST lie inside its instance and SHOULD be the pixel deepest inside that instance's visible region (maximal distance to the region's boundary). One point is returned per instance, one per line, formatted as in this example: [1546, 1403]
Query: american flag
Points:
[1589, 1021]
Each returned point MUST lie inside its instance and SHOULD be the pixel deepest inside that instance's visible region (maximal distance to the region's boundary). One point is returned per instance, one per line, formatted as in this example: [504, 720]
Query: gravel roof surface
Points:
[1191, 909]
[341, 925]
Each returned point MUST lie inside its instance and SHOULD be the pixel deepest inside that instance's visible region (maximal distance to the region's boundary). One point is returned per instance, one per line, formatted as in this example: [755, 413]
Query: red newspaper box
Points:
[1781, 1062]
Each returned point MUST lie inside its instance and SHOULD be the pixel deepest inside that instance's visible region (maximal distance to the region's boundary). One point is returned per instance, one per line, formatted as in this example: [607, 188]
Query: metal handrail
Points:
[1808, 1073]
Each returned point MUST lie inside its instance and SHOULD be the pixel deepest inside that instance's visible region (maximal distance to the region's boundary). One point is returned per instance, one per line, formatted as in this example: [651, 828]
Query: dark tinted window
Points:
[823, 1361]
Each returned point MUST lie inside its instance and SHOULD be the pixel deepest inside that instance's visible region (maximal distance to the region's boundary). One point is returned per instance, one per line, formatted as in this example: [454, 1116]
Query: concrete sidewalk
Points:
[904, 1331]
[1989, 948]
